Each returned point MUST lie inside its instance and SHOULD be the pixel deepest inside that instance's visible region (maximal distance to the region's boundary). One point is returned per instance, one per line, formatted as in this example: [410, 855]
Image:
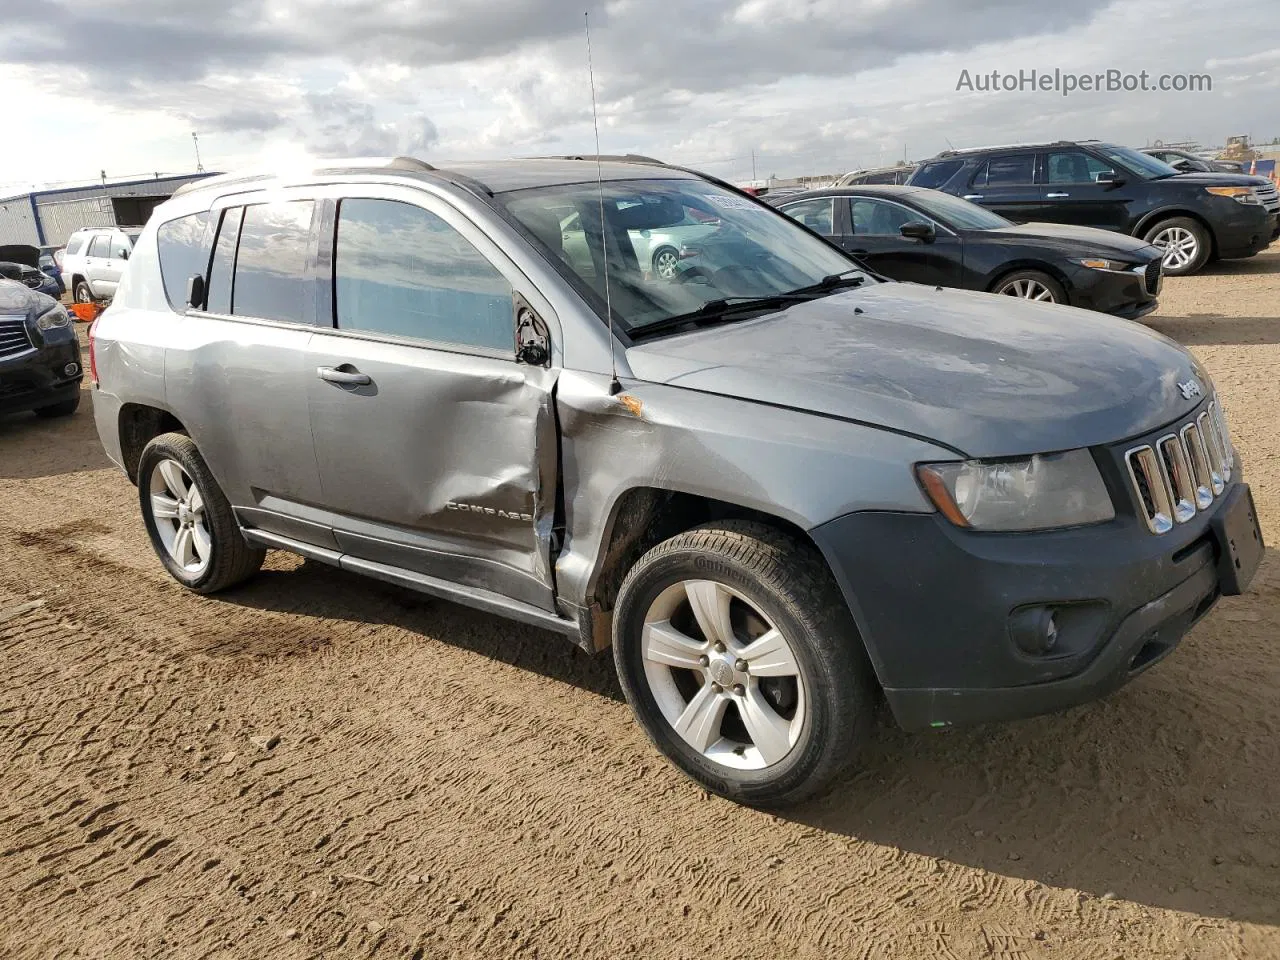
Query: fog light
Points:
[1034, 629]
[71, 369]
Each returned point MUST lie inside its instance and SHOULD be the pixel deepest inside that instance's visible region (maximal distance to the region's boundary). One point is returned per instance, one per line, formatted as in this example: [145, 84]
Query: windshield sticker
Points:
[731, 203]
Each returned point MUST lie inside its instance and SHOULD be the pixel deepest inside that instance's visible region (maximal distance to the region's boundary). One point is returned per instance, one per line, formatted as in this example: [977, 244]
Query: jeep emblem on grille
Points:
[1190, 388]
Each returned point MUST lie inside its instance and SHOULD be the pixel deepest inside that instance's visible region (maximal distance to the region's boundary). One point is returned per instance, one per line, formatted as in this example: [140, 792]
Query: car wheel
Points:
[82, 293]
[64, 409]
[666, 261]
[190, 522]
[1031, 285]
[1185, 243]
[741, 662]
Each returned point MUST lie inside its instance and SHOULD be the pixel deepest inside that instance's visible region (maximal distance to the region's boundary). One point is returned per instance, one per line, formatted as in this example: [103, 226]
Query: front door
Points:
[436, 448]
[1073, 195]
[870, 229]
[97, 271]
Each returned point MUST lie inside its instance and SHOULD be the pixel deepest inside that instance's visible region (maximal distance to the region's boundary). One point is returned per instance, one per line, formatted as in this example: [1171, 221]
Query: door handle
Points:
[973, 196]
[345, 377]
[1056, 196]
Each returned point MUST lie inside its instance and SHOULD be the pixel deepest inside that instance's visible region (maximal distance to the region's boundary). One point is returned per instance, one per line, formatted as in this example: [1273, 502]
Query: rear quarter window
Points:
[183, 247]
[75, 245]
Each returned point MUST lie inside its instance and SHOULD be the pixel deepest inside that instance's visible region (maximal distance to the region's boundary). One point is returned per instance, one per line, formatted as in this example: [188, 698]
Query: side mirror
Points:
[1109, 179]
[124, 254]
[918, 230]
[195, 292]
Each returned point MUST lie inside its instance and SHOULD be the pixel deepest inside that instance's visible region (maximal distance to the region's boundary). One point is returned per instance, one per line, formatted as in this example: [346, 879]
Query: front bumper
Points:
[1123, 293]
[935, 606]
[1248, 231]
[38, 379]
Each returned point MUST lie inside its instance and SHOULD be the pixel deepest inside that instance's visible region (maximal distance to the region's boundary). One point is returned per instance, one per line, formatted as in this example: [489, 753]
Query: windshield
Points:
[1144, 165]
[956, 212]
[674, 246]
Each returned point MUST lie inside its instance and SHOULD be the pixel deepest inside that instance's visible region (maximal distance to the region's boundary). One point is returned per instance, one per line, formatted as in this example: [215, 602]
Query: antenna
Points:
[196, 141]
[614, 386]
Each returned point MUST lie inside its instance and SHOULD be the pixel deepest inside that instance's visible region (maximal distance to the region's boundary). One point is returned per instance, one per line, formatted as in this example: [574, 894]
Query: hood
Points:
[17, 297]
[20, 253]
[988, 376]
[1080, 240]
[1216, 179]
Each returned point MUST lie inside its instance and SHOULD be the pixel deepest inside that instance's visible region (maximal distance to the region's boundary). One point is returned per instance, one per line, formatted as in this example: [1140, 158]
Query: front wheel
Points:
[666, 261]
[192, 527]
[1185, 243]
[1031, 285]
[738, 655]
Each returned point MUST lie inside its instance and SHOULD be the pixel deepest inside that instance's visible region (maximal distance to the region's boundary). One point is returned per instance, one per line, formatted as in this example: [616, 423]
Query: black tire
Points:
[1204, 243]
[64, 409]
[790, 584]
[232, 560]
[1055, 289]
[82, 293]
[662, 255]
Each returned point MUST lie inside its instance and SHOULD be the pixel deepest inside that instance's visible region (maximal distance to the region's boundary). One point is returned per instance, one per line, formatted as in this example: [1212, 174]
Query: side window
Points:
[814, 214]
[100, 246]
[934, 175]
[74, 245]
[218, 285]
[401, 270]
[183, 248]
[271, 276]
[1074, 166]
[1014, 171]
[877, 218]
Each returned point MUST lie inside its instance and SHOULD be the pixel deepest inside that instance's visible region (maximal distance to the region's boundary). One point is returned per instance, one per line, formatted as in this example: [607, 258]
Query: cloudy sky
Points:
[809, 85]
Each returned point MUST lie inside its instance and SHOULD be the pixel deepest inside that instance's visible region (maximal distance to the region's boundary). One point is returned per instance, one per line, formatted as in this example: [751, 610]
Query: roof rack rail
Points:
[607, 157]
[345, 165]
[959, 151]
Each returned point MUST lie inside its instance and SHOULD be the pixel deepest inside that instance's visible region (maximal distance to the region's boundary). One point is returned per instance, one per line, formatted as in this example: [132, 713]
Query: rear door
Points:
[236, 371]
[1006, 183]
[871, 231]
[1073, 195]
[436, 448]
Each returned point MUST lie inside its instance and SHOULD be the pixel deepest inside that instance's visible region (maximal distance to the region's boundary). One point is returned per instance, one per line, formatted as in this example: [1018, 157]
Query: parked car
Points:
[49, 265]
[895, 175]
[910, 233]
[1186, 162]
[39, 353]
[21, 262]
[778, 488]
[94, 261]
[1193, 217]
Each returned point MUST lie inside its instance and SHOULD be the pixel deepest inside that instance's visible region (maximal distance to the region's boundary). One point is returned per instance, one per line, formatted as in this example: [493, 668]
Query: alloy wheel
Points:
[1180, 247]
[1028, 289]
[178, 510]
[723, 676]
[665, 264]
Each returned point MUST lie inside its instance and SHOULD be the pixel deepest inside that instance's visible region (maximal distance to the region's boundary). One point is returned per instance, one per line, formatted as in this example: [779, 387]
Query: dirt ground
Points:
[318, 765]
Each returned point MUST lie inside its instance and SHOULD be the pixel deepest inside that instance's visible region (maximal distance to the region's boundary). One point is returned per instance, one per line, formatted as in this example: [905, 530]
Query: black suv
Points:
[39, 354]
[1193, 217]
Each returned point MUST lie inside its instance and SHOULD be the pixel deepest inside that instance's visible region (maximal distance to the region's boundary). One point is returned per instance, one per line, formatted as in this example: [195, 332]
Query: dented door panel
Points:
[443, 463]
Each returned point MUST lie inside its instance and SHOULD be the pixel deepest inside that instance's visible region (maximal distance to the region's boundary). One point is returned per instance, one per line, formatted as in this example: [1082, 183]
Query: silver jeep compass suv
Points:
[778, 486]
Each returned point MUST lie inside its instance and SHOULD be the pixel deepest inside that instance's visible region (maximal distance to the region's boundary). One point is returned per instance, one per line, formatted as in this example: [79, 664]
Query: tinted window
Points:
[937, 173]
[74, 245]
[224, 260]
[878, 218]
[100, 246]
[271, 276]
[183, 247]
[956, 212]
[1074, 166]
[814, 214]
[401, 270]
[1006, 171]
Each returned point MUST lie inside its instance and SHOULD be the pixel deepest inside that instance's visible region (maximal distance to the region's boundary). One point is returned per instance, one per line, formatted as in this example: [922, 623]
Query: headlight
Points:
[57, 317]
[1095, 263]
[1038, 493]
[1238, 194]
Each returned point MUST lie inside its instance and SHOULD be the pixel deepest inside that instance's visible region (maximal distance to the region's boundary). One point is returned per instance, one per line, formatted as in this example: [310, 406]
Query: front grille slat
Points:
[14, 338]
[1152, 276]
[1184, 471]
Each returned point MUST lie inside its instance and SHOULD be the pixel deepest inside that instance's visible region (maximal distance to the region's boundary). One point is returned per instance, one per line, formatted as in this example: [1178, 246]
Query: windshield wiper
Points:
[726, 309]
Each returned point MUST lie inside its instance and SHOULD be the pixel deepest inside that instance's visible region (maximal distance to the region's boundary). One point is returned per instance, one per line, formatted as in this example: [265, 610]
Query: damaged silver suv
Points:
[778, 486]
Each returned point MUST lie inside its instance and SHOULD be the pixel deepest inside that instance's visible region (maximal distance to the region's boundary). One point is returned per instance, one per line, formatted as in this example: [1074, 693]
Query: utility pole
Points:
[753, 165]
[196, 141]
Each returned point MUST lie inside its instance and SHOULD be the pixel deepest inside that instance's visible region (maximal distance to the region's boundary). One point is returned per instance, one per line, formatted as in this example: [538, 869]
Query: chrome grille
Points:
[1183, 472]
[1269, 195]
[14, 338]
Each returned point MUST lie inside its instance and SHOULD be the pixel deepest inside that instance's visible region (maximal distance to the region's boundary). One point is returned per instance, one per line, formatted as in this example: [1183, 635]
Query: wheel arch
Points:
[1028, 263]
[139, 424]
[1156, 216]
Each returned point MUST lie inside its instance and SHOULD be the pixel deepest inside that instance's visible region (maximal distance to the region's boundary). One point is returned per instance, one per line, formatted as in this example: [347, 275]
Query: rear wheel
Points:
[82, 292]
[1031, 285]
[738, 655]
[1185, 243]
[190, 522]
[666, 261]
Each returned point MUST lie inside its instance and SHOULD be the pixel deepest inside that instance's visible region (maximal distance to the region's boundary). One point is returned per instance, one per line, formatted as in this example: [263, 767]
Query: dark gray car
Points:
[778, 487]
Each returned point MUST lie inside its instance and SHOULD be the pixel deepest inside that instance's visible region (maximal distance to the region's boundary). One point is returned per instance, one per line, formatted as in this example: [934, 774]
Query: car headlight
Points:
[1036, 493]
[1097, 263]
[57, 317]
[1238, 194]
